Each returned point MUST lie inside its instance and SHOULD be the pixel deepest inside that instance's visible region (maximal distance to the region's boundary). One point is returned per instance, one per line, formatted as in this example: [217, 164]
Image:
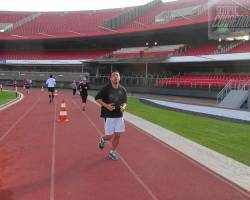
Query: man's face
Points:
[115, 78]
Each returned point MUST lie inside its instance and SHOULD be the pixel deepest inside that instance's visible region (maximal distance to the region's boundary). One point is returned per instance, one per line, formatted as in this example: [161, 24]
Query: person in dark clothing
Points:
[15, 86]
[113, 99]
[14, 83]
[26, 85]
[83, 88]
[74, 87]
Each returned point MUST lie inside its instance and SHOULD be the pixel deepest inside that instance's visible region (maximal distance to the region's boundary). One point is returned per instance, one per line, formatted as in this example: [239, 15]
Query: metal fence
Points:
[40, 76]
[67, 77]
[233, 85]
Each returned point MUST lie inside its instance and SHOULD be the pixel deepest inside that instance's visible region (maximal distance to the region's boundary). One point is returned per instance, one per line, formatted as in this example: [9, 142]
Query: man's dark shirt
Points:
[116, 96]
[83, 88]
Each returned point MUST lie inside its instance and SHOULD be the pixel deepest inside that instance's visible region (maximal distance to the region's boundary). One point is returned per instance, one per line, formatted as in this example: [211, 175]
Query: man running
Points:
[26, 85]
[83, 87]
[74, 87]
[51, 82]
[113, 99]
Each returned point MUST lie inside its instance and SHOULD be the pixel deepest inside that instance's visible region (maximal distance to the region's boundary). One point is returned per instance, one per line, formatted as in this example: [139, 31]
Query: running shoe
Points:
[101, 143]
[113, 155]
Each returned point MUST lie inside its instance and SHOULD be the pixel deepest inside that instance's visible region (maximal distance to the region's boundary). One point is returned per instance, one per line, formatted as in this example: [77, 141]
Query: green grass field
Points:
[230, 139]
[6, 97]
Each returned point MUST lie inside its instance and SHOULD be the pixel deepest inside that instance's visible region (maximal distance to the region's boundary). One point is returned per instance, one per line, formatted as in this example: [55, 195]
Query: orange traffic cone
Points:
[55, 93]
[42, 89]
[63, 117]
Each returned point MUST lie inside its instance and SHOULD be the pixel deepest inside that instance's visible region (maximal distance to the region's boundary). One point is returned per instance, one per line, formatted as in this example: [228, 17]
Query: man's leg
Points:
[119, 128]
[112, 153]
[115, 141]
[52, 95]
[50, 98]
[103, 140]
[84, 99]
[108, 133]
[107, 137]
[83, 102]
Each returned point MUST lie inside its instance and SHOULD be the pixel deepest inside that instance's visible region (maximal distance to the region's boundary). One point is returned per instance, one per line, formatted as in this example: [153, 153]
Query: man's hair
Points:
[51, 76]
[115, 71]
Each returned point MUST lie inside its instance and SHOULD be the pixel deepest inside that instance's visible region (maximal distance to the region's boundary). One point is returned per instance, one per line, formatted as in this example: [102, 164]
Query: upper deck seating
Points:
[51, 55]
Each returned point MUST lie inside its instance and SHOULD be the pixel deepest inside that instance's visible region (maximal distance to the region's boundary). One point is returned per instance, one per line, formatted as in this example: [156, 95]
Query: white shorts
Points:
[114, 125]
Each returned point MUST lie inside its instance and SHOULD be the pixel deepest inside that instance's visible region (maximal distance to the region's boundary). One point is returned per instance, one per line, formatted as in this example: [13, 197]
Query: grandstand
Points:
[146, 52]
[159, 47]
[51, 55]
[202, 81]
[113, 21]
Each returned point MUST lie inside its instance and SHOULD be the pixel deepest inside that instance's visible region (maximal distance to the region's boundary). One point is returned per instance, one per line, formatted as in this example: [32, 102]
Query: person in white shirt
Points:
[51, 82]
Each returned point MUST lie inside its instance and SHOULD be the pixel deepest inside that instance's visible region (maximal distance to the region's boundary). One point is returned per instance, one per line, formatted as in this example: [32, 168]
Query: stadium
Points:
[155, 43]
[185, 67]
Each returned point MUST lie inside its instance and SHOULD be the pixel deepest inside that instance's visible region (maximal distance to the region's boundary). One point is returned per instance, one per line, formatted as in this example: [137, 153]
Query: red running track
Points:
[42, 159]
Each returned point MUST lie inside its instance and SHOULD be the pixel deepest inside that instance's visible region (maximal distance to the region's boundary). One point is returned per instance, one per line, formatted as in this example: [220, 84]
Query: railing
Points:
[25, 20]
[246, 85]
[41, 76]
[129, 81]
[129, 16]
[225, 49]
[232, 84]
[223, 93]
[68, 77]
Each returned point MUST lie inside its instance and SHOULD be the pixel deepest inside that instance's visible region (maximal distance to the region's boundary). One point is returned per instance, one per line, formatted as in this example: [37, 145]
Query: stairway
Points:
[234, 99]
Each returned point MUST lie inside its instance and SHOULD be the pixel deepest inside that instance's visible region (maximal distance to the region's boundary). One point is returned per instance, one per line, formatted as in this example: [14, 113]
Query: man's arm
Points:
[123, 107]
[110, 107]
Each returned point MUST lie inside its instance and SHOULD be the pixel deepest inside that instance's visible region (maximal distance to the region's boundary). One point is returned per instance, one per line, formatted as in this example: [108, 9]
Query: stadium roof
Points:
[68, 5]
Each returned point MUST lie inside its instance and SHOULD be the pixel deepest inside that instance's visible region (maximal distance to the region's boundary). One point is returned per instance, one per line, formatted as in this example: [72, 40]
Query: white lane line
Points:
[146, 188]
[164, 143]
[12, 102]
[233, 185]
[18, 120]
[53, 159]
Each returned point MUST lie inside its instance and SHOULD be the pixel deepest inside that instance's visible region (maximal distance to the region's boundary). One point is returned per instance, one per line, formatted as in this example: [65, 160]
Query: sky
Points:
[67, 5]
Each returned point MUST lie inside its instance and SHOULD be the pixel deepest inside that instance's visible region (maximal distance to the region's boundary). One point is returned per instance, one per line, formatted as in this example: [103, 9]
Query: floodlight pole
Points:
[146, 74]
[97, 71]
[248, 102]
